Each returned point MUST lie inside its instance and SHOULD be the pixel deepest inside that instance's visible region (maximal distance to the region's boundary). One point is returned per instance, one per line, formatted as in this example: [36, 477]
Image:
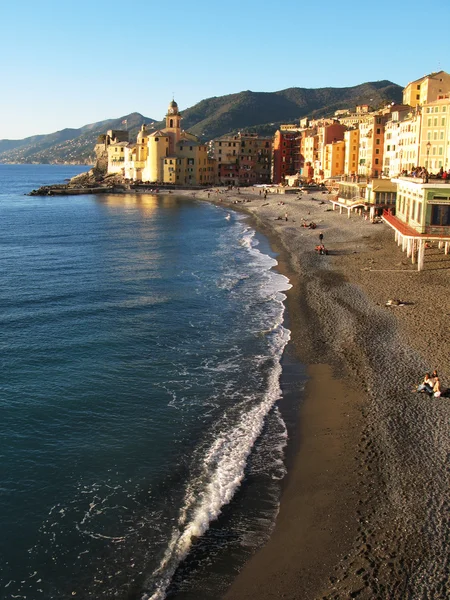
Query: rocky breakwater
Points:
[86, 183]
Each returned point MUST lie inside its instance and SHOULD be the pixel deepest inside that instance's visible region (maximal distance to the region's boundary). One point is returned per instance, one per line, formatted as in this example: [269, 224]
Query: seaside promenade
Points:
[364, 512]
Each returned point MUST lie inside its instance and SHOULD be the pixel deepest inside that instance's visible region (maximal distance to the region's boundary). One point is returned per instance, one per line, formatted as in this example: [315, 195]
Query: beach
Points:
[364, 509]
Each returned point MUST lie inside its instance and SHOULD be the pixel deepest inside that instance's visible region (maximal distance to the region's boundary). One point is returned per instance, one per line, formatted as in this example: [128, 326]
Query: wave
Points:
[222, 471]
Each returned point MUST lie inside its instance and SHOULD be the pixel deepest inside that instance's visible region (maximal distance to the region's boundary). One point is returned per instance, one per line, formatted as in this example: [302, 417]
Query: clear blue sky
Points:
[67, 63]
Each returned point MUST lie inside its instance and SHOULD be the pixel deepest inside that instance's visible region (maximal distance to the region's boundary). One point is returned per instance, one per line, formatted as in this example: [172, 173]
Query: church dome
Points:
[142, 135]
[173, 108]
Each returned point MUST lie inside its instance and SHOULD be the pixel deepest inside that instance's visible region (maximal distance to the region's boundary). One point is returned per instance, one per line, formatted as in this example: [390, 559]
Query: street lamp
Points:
[428, 154]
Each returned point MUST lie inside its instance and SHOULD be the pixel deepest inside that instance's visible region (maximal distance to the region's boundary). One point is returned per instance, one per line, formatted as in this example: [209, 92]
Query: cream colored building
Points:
[393, 144]
[409, 141]
[422, 214]
[435, 135]
[116, 157]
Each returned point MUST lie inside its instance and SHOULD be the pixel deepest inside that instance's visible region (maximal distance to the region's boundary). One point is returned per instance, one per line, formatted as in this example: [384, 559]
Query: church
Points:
[169, 155]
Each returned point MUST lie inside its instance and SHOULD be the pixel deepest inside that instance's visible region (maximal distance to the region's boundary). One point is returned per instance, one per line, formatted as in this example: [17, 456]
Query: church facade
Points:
[168, 155]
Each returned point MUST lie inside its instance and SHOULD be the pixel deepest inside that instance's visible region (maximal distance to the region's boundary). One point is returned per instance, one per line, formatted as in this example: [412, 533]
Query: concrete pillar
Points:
[399, 239]
[396, 235]
[372, 213]
[405, 241]
[348, 213]
[409, 249]
[447, 247]
[413, 252]
[421, 256]
[340, 209]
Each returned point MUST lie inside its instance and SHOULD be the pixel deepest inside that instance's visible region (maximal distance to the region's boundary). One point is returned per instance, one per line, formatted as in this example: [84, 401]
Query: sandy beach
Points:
[364, 510]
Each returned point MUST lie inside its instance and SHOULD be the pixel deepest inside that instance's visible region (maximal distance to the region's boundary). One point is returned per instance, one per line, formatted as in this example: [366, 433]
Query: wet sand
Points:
[365, 507]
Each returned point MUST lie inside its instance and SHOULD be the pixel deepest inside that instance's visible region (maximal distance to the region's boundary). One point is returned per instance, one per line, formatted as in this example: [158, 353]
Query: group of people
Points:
[425, 175]
[431, 384]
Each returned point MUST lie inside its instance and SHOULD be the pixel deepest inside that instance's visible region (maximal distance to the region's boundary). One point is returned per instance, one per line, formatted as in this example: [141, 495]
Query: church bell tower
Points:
[173, 120]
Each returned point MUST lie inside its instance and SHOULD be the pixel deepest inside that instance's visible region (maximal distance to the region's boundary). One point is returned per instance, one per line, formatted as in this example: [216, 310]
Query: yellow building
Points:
[189, 165]
[334, 159]
[351, 158]
[168, 155]
[426, 89]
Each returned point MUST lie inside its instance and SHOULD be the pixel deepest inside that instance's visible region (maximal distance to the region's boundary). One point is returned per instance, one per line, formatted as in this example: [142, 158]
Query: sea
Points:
[142, 431]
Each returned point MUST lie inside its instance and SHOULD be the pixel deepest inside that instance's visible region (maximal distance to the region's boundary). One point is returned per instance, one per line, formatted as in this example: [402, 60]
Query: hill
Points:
[68, 145]
[260, 112]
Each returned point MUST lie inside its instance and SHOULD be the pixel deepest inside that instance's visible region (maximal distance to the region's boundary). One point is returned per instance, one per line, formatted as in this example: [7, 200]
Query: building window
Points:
[440, 215]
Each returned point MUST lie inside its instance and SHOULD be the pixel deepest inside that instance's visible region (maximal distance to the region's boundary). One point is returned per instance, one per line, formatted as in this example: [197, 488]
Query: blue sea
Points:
[141, 439]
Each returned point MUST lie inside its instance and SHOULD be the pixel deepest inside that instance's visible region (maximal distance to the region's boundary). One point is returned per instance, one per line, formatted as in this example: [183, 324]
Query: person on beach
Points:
[321, 237]
[427, 384]
[437, 388]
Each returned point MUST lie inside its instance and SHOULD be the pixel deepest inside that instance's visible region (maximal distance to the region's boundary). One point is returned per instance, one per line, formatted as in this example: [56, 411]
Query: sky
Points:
[68, 64]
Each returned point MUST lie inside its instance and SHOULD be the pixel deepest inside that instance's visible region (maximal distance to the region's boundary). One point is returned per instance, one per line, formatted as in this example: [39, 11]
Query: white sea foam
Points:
[221, 474]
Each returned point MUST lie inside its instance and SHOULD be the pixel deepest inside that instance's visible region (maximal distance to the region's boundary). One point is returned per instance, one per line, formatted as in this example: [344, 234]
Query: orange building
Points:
[285, 155]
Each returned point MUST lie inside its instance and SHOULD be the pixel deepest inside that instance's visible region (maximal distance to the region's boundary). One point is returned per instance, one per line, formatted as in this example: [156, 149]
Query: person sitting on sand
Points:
[437, 388]
[426, 385]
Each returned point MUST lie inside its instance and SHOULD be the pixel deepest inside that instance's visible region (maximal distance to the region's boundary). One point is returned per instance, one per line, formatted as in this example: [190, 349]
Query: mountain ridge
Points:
[260, 112]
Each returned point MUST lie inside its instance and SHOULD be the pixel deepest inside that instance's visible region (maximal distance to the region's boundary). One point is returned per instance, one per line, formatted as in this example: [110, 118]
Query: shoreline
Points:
[364, 505]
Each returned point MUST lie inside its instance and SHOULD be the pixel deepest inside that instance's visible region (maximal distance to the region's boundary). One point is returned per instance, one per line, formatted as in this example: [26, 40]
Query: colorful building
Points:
[285, 155]
[242, 159]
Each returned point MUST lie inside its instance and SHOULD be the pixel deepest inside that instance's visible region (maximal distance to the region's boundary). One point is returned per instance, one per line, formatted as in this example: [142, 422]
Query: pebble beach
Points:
[365, 507]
